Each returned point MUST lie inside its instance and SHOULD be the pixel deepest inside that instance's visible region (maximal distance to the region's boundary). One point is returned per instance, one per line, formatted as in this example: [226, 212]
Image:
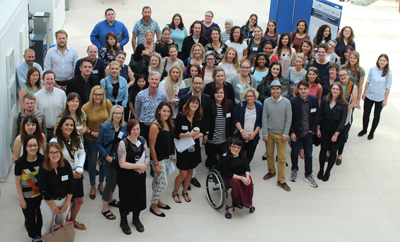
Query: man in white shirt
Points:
[23, 68]
[51, 101]
[61, 60]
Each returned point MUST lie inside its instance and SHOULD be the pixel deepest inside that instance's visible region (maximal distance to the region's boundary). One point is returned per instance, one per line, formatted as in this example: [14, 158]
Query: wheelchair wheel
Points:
[215, 189]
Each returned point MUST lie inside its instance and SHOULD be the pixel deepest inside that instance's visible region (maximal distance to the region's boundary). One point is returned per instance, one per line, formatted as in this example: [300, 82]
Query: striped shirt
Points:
[29, 175]
[219, 130]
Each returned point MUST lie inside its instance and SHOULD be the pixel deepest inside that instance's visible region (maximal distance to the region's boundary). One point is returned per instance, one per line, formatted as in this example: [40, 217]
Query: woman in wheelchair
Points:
[236, 170]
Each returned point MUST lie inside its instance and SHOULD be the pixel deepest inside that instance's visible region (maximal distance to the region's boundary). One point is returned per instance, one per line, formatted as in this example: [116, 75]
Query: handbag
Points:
[63, 232]
[137, 66]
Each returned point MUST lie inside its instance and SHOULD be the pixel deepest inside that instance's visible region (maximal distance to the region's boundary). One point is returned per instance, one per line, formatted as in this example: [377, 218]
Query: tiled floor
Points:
[361, 201]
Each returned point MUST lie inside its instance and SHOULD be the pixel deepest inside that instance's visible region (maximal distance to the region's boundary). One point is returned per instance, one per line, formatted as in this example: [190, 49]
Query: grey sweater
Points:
[277, 116]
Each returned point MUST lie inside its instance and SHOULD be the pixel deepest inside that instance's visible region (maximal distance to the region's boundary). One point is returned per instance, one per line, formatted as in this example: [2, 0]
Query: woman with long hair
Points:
[323, 36]
[250, 26]
[261, 66]
[271, 32]
[215, 45]
[188, 123]
[74, 110]
[237, 41]
[297, 72]
[357, 73]
[221, 125]
[26, 172]
[284, 52]
[344, 39]
[162, 46]
[29, 126]
[31, 86]
[133, 159]
[115, 86]
[274, 73]
[327, 81]
[67, 137]
[110, 134]
[333, 113]
[143, 51]
[140, 84]
[306, 49]
[110, 49]
[346, 54]
[192, 71]
[230, 63]
[161, 143]
[235, 167]
[97, 111]
[219, 79]
[243, 80]
[155, 65]
[196, 57]
[376, 93]
[172, 59]
[312, 77]
[56, 184]
[253, 44]
[178, 31]
[299, 35]
[171, 86]
[268, 46]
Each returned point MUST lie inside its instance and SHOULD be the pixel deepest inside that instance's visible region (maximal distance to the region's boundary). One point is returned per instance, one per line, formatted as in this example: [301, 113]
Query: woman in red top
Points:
[312, 77]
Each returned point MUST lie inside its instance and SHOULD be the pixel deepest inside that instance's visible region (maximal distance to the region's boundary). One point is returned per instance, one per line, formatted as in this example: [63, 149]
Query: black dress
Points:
[188, 160]
[132, 185]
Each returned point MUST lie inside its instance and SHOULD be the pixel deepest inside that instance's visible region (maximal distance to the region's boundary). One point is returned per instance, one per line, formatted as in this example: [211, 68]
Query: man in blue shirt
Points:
[142, 25]
[99, 32]
[23, 68]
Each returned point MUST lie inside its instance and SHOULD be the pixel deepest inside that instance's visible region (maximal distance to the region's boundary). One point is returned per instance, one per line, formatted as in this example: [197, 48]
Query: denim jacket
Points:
[106, 135]
[122, 97]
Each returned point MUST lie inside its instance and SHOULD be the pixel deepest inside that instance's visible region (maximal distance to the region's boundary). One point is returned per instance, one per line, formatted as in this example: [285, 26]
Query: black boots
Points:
[124, 224]
[137, 223]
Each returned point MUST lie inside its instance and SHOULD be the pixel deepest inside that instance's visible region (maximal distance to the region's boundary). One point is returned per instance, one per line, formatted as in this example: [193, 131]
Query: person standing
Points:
[277, 117]
[22, 69]
[249, 27]
[299, 35]
[99, 32]
[226, 35]
[209, 24]
[305, 120]
[98, 64]
[216, 45]
[32, 85]
[237, 41]
[51, 101]
[145, 23]
[196, 36]
[178, 31]
[242, 81]
[61, 59]
[376, 93]
[115, 86]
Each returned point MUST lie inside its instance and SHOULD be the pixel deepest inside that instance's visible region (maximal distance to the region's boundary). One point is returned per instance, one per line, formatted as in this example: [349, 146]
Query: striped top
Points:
[220, 128]
[29, 175]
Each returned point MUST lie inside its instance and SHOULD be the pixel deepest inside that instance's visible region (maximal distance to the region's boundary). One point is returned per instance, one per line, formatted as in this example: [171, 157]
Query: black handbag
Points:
[137, 66]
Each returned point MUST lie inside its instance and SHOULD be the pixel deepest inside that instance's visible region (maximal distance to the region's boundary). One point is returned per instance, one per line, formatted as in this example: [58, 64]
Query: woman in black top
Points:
[333, 113]
[216, 45]
[327, 81]
[221, 125]
[219, 79]
[188, 123]
[26, 179]
[161, 142]
[321, 63]
[140, 84]
[133, 159]
[56, 184]
[236, 169]
[162, 46]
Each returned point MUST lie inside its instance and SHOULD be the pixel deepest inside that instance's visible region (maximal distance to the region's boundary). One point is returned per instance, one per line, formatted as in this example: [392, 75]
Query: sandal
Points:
[186, 196]
[176, 195]
[109, 215]
[114, 203]
[79, 226]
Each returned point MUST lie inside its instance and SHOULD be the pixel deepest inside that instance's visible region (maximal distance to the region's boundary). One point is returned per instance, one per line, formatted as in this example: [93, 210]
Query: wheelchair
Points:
[217, 191]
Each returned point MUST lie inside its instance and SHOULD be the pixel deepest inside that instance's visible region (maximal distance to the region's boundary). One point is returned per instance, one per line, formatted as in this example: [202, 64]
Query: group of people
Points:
[211, 88]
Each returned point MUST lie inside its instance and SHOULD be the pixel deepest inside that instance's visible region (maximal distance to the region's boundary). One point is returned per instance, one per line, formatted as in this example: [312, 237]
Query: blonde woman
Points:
[197, 54]
[155, 65]
[171, 86]
[230, 63]
[357, 73]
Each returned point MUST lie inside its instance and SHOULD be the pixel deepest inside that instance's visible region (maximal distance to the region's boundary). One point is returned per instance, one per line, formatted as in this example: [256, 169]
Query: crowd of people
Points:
[208, 87]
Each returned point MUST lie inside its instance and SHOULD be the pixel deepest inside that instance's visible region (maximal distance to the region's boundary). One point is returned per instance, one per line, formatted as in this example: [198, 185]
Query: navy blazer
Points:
[205, 102]
[297, 114]
[239, 118]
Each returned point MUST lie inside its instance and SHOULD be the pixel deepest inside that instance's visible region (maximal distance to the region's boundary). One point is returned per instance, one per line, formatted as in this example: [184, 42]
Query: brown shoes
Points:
[269, 176]
[284, 186]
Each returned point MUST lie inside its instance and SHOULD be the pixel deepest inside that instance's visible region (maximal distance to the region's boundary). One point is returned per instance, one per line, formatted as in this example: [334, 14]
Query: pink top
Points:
[314, 89]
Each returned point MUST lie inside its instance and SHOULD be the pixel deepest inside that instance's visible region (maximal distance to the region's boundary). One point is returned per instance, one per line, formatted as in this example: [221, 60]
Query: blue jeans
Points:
[92, 159]
[308, 147]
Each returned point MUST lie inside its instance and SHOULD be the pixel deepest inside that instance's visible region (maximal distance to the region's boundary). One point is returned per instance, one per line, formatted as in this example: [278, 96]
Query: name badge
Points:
[255, 48]
[64, 178]
[95, 72]
[219, 51]
[313, 110]
[184, 127]
[120, 135]
[228, 115]
[239, 85]
[138, 143]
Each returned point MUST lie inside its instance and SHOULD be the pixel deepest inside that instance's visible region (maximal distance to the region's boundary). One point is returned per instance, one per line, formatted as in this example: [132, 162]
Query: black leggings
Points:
[367, 111]
[332, 147]
[345, 132]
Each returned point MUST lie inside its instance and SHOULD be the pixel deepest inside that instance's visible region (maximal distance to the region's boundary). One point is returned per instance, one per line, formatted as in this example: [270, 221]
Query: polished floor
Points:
[360, 202]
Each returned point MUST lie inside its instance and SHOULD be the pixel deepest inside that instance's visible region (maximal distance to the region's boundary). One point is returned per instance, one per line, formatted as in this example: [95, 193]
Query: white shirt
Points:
[239, 47]
[230, 71]
[62, 65]
[79, 156]
[51, 104]
[163, 87]
[378, 84]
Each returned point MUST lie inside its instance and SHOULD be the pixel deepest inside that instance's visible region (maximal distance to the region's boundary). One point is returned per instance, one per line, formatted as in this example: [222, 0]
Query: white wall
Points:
[12, 21]
[57, 13]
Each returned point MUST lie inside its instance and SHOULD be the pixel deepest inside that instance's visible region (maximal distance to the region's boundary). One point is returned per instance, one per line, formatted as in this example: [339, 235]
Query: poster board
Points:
[325, 12]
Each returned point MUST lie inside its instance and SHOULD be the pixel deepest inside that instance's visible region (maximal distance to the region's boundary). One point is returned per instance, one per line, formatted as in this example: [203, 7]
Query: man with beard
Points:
[23, 68]
[142, 25]
[61, 60]
[196, 36]
[98, 64]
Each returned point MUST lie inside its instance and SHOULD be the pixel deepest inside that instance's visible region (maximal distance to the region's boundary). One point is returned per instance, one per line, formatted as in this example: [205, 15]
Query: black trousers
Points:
[249, 149]
[213, 150]
[33, 216]
[367, 112]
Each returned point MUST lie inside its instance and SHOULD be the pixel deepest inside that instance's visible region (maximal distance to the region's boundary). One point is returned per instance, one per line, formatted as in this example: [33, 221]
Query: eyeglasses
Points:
[197, 83]
[209, 59]
[54, 152]
[98, 95]
[32, 146]
[235, 147]
[118, 113]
